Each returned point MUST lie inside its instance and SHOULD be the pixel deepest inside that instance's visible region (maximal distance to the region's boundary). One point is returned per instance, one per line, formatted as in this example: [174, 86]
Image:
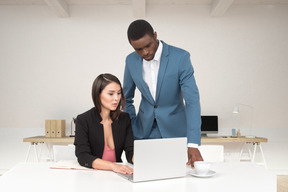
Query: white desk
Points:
[236, 177]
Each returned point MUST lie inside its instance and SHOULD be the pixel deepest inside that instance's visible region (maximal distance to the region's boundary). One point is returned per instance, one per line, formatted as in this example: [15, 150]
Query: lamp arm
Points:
[244, 105]
[252, 113]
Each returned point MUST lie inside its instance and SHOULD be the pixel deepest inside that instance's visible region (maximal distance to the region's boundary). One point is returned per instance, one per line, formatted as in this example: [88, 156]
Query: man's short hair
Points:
[138, 29]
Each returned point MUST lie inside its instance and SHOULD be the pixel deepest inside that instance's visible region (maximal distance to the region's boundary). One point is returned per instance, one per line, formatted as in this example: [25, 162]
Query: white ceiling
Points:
[61, 7]
[123, 2]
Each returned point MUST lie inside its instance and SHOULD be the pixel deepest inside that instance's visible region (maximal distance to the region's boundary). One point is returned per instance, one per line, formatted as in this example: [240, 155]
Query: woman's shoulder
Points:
[124, 116]
[87, 114]
[123, 119]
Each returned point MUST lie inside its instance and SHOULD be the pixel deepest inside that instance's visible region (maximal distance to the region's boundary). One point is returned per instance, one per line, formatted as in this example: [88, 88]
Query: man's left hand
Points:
[193, 155]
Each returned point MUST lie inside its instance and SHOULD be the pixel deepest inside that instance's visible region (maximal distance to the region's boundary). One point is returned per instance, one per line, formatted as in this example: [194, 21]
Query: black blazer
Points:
[89, 137]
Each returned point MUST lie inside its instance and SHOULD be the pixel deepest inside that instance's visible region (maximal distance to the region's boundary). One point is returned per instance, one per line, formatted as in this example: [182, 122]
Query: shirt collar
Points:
[158, 53]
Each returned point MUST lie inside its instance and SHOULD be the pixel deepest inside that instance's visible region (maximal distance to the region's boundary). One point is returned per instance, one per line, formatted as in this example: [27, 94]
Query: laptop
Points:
[156, 159]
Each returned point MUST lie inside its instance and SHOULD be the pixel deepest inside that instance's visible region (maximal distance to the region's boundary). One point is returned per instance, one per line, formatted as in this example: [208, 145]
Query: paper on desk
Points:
[69, 164]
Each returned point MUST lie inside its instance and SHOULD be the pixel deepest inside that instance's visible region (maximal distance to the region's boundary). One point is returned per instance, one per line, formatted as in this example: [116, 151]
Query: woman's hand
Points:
[107, 165]
[124, 169]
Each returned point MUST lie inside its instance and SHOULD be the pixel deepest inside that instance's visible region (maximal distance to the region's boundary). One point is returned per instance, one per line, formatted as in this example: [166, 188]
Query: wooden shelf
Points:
[43, 139]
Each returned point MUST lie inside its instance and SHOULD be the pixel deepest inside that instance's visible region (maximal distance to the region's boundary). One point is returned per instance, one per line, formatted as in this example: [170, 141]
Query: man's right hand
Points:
[193, 155]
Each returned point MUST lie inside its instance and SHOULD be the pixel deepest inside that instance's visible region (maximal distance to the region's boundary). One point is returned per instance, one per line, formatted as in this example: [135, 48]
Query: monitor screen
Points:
[209, 125]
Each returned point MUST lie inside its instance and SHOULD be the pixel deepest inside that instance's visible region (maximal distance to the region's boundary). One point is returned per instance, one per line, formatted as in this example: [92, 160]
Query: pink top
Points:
[109, 154]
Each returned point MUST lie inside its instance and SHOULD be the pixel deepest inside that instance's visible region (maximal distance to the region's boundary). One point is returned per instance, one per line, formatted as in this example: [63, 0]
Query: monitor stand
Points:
[204, 135]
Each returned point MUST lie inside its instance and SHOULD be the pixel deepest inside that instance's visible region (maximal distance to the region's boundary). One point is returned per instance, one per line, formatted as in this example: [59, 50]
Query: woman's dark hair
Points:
[98, 85]
[138, 29]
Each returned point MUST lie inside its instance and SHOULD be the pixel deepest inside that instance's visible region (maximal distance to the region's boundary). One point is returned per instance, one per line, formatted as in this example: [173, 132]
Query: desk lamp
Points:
[236, 111]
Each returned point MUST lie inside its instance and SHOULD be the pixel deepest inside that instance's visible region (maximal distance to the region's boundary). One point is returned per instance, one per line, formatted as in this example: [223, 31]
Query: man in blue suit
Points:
[164, 75]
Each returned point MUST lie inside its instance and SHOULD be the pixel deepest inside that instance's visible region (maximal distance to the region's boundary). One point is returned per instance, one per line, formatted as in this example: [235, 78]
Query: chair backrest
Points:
[64, 152]
[212, 153]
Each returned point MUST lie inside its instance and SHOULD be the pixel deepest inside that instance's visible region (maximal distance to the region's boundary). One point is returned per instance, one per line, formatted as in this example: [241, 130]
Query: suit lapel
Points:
[162, 69]
[142, 84]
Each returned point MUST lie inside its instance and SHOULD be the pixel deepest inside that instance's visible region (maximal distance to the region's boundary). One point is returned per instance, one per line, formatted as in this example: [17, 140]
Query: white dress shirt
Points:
[150, 71]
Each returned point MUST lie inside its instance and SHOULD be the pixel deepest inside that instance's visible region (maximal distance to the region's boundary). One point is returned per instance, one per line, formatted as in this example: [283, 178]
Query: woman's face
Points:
[110, 96]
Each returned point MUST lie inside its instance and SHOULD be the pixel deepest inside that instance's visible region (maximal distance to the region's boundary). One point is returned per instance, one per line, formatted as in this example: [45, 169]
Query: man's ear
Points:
[155, 35]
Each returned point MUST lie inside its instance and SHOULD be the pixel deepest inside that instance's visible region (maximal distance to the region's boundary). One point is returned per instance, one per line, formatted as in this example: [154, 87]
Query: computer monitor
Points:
[209, 125]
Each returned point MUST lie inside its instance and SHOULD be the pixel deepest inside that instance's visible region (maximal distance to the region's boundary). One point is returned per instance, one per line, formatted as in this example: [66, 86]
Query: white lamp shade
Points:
[236, 109]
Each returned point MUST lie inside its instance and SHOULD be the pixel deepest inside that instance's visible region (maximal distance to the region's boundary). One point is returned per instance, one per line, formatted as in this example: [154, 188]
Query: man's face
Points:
[146, 46]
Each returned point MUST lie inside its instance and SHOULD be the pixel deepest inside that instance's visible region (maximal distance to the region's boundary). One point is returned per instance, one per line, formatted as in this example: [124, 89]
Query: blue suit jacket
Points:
[175, 82]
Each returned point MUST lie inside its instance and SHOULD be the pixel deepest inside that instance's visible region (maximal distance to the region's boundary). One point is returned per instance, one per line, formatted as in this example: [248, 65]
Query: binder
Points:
[47, 128]
[60, 128]
[53, 128]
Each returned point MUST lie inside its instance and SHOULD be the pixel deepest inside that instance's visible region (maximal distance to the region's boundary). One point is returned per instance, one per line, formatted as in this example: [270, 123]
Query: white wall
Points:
[48, 64]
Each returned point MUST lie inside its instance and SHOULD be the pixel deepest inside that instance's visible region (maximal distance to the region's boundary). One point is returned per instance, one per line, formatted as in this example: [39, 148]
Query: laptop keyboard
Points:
[129, 177]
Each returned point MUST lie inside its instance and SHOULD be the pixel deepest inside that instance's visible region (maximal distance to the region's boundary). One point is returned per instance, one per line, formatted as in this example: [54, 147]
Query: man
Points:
[164, 76]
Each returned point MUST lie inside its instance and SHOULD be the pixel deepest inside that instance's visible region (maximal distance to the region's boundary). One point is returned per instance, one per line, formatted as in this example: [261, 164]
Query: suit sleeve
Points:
[82, 144]
[192, 101]
[129, 140]
[129, 92]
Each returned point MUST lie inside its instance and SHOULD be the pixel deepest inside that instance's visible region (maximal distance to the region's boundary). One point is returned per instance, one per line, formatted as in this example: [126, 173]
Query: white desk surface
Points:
[236, 177]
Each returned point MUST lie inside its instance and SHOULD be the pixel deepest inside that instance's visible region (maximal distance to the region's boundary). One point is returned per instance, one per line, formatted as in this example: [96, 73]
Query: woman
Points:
[103, 132]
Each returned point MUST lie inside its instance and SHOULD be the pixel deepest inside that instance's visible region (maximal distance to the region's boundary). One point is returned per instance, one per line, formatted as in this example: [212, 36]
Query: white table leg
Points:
[40, 153]
[250, 154]
[241, 152]
[254, 152]
[249, 151]
[263, 158]
[28, 152]
[49, 151]
[35, 151]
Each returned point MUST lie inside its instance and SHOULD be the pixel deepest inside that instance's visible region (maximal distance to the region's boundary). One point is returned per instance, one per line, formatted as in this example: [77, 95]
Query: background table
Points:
[236, 177]
[34, 141]
[256, 142]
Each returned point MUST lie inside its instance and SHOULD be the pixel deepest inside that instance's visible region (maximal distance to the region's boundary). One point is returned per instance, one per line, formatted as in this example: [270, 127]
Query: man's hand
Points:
[193, 155]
